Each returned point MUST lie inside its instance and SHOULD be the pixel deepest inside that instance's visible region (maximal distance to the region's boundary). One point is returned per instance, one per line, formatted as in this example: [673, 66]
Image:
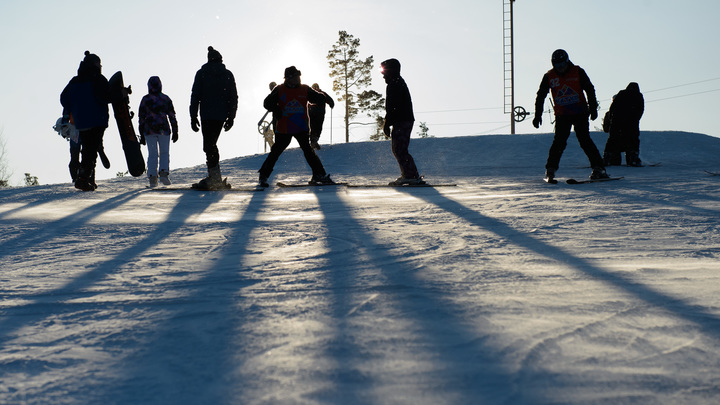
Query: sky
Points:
[451, 54]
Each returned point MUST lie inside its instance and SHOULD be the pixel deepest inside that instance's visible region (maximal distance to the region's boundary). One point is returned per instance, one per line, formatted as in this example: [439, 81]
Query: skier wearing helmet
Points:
[568, 82]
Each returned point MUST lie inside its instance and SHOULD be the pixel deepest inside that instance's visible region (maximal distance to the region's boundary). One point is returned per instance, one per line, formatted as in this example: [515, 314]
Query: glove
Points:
[537, 121]
[228, 124]
[593, 115]
[174, 137]
[386, 129]
[195, 124]
[142, 139]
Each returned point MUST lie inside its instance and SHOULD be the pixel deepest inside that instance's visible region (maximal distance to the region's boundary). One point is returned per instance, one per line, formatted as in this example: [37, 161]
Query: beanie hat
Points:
[213, 55]
[292, 72]
[92, 59]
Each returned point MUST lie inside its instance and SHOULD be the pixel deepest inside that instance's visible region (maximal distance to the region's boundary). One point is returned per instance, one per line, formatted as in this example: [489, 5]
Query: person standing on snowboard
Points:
[156, 117]
[568, 82]
[289, 103]
[214, 95]
[85, 99]
[624, 115]
[399, 121]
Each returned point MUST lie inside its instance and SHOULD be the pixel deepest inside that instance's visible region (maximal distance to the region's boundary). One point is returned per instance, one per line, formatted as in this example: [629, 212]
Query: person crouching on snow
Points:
[156, 118]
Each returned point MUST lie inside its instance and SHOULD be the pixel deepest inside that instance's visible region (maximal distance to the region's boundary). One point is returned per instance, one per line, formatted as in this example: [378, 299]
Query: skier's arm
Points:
[541, 94]
[195, 96]
[271, 101]
[587, 85]
[232, 97]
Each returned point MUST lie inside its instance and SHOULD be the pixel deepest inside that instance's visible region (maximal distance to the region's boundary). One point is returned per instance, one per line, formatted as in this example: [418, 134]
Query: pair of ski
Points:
[575, 181]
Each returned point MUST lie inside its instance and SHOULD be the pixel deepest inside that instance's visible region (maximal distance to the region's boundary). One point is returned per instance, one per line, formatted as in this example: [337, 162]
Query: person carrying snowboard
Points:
[399, 121]
[289, 101]
[317, 116]
[214, 95]
[156, 117]
[623, 127]
[569, 84]
[85, 99]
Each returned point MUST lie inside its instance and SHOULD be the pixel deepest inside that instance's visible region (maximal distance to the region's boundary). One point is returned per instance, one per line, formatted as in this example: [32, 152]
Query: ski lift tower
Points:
[516, 113]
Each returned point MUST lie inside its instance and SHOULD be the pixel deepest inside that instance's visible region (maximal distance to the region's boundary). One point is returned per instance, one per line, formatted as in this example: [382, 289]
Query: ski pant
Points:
[623, 139]
[74, 165]
[563, 125]
[316, 126]
[158, 149]
[400, 142]
[211, 132]
[91, 140]
[282, 141]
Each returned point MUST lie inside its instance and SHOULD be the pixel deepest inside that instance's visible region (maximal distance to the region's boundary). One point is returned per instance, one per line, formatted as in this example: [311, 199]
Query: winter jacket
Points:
[398, 103]
[156, 109]
[567, 92]
[291, 107]
[318, 109]
[86, 98]
[627, 108]
[214, 93]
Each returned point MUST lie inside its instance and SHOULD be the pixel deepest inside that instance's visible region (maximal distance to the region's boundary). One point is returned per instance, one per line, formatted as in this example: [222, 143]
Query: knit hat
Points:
[292, 72]
[92, 59]
[213, 55]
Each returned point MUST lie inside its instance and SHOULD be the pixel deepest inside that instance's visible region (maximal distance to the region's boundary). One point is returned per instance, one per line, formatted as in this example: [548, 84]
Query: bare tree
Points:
[5, 172]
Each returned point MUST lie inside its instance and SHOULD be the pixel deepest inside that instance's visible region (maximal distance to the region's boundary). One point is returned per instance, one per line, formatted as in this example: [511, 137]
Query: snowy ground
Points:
[501, 290]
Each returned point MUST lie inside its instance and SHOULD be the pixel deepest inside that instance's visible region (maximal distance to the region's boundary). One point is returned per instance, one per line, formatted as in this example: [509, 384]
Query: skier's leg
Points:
[74, 165]
[151, 140]
[400, 142]
[211, 132]
[164, 152]
[562, 132]
[582, 131]
[281, 143]
[310, 156]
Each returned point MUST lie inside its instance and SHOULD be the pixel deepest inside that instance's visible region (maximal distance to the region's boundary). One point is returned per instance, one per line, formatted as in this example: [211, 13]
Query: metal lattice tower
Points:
[508, 64]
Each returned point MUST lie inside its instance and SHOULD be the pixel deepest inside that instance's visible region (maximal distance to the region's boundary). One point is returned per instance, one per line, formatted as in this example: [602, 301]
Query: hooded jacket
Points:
[398, 103]
[156, 114]
[86, 97]
[214, 93]
[627, 107]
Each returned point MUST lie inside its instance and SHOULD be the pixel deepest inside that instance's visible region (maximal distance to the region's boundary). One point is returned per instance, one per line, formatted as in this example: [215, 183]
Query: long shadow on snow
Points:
[705, 319]
[54, 302]
[464, 370]
[192, 356]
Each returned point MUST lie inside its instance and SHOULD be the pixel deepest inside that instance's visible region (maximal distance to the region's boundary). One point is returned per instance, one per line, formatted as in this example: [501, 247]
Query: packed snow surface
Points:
[501, 290]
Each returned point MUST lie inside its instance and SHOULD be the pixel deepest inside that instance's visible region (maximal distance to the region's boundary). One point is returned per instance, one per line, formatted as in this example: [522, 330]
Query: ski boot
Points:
[407, 181]
[612, 158]
[599, 173]
[164, 177]
[632, 158]
[213, 181]
[550, 176]
[153, 180]
[317, 180]
[263, 181]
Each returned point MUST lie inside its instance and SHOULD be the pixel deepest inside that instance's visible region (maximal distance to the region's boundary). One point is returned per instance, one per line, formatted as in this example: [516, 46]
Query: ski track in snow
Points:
[501, 290]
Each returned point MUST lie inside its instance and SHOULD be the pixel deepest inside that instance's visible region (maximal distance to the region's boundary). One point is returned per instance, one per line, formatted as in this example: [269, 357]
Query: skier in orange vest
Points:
[568, 82]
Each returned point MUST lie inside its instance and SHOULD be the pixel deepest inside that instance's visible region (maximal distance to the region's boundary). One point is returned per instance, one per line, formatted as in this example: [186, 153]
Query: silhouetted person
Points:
[399, 121]
[624, 115]
[158, 126]
[214, 94]
[85, 99]
[289, 101]
[317, 117]
[569, 83]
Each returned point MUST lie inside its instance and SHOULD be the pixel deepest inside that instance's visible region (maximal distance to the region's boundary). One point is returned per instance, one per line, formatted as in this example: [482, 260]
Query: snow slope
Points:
[503, 289]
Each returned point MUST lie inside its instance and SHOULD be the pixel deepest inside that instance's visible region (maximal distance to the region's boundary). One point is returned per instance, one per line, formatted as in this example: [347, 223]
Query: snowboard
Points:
[203, 187]
[573, 181]
[404, 185]
[120, 100]
[712, 173]
[188, 187]
[287, 185]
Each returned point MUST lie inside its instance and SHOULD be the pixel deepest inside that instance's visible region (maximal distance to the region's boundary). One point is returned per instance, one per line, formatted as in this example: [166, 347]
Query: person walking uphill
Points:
[156, 117]
[214, 94]
[624, 115]
[85, 99]
[316, 113]
[567, 83]
[289, 101]
[399, 120]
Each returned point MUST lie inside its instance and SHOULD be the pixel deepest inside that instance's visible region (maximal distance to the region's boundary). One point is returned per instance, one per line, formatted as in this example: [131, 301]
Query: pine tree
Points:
[351, 76]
